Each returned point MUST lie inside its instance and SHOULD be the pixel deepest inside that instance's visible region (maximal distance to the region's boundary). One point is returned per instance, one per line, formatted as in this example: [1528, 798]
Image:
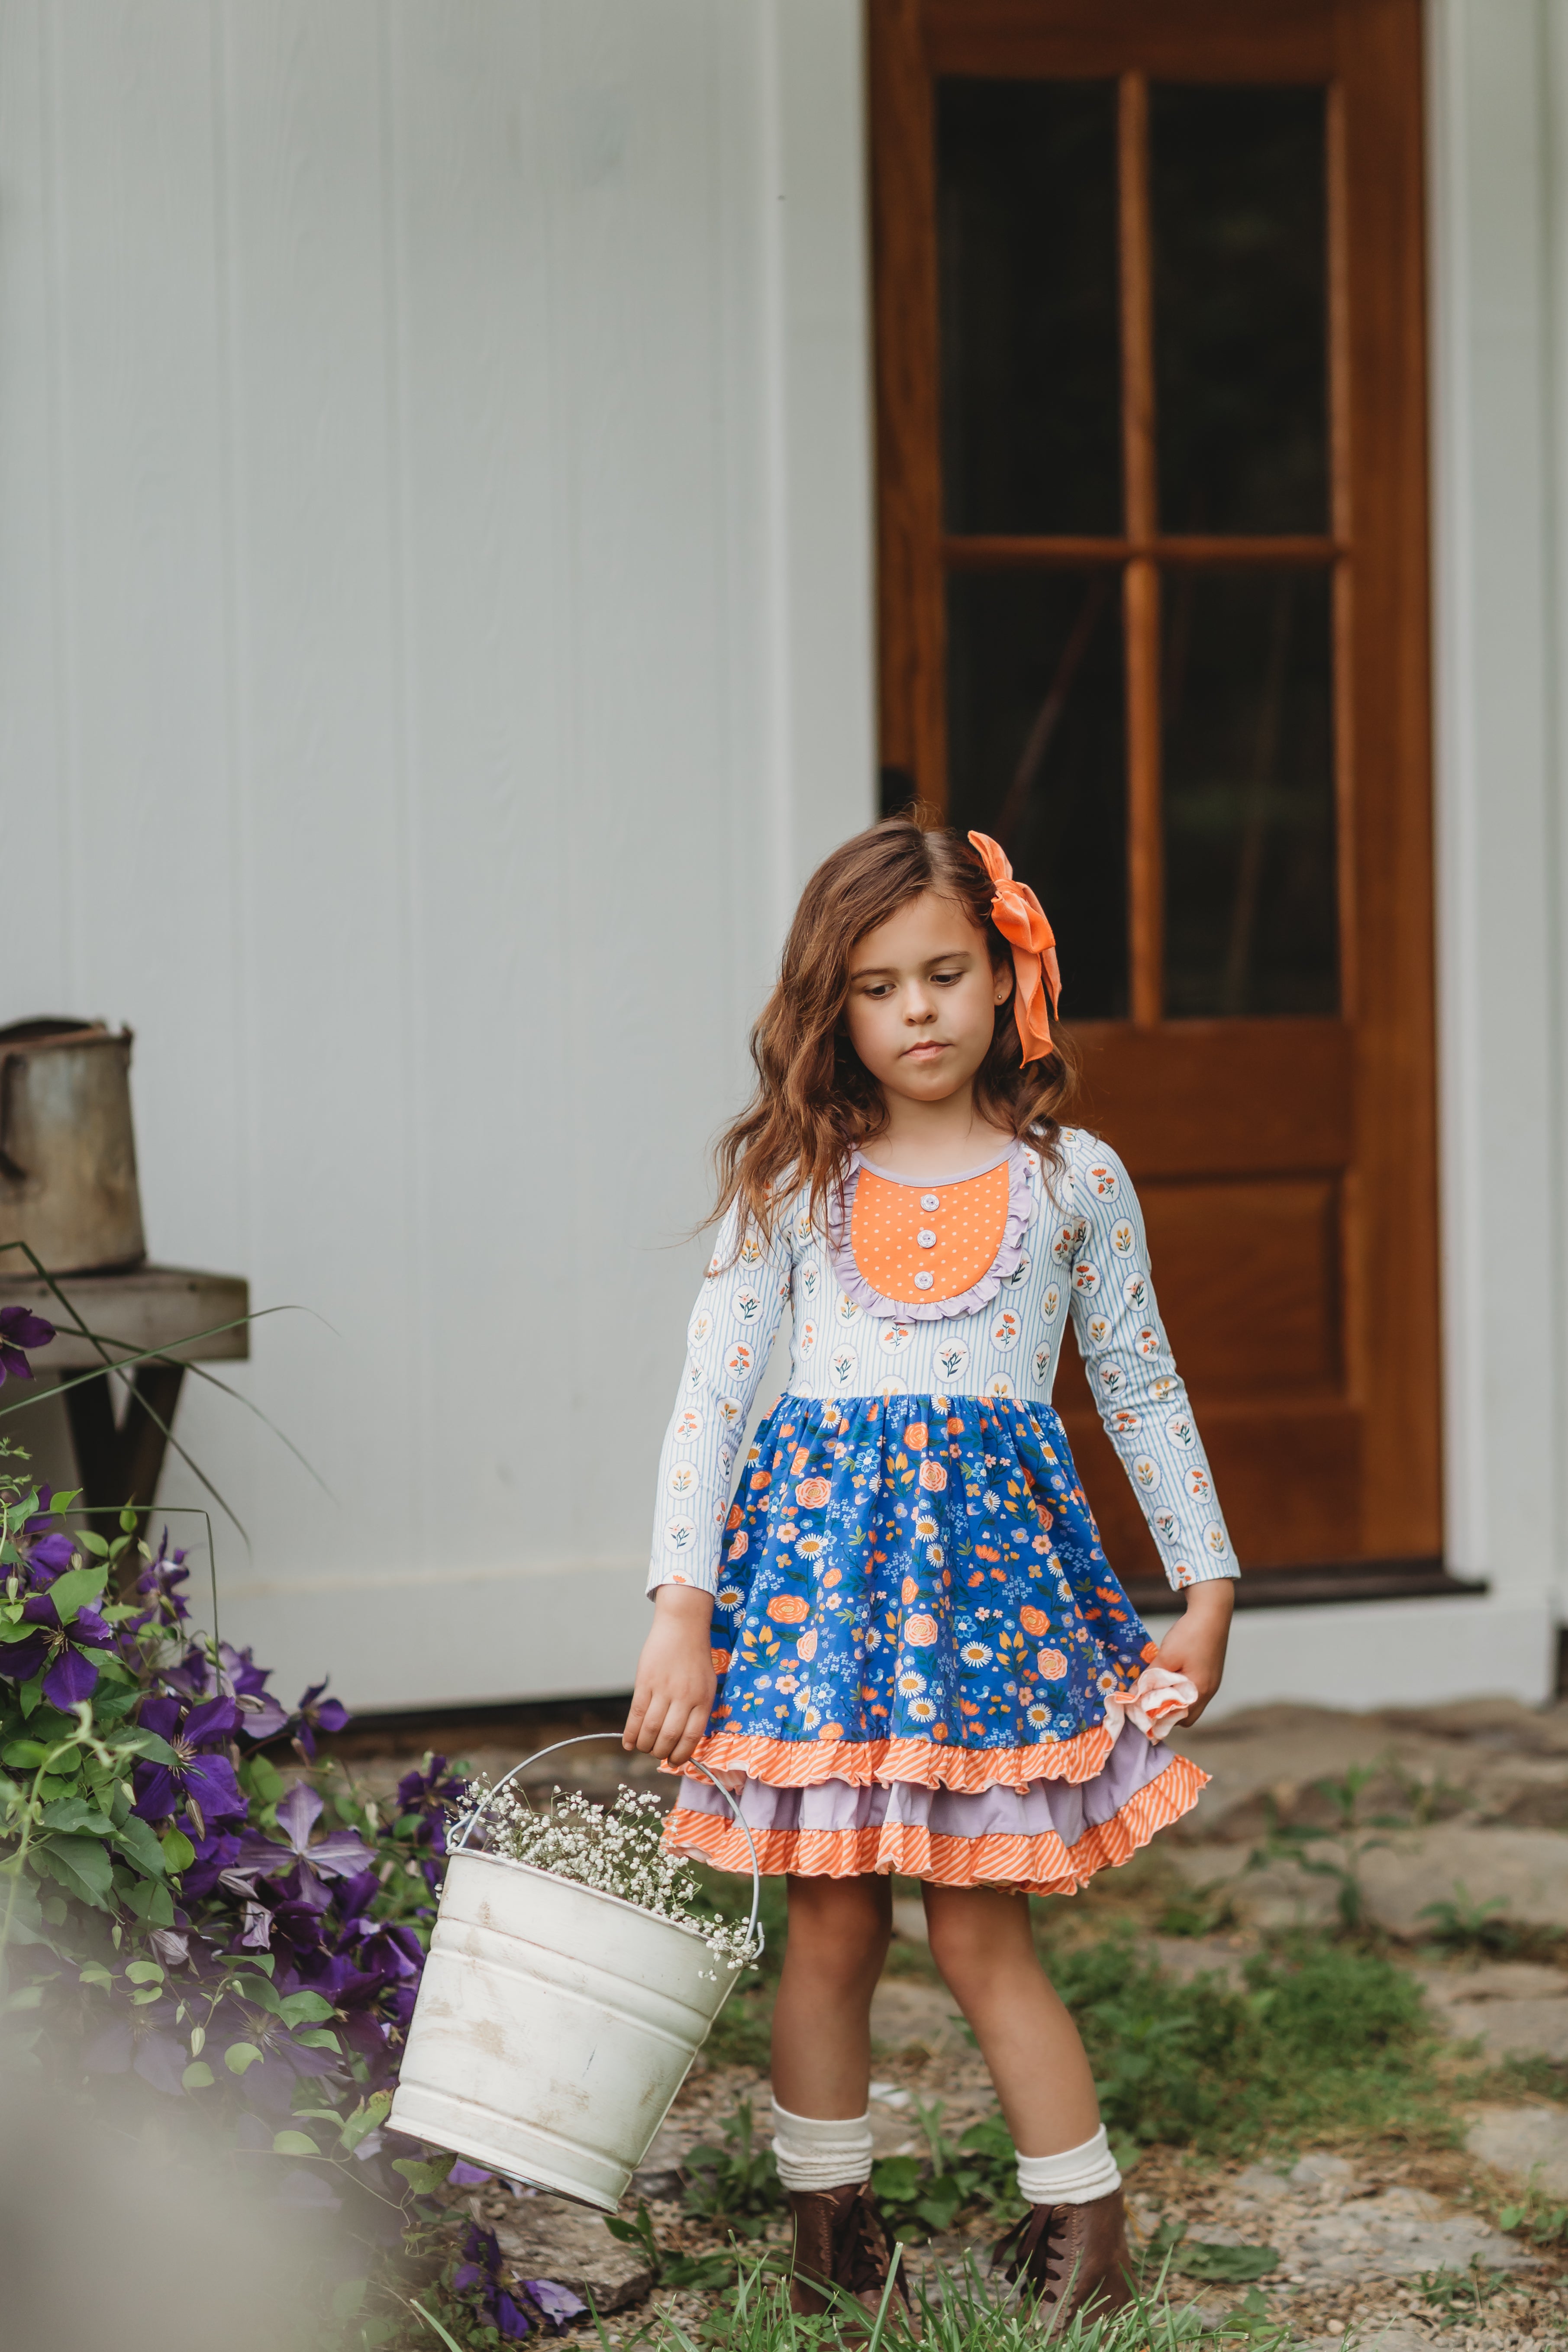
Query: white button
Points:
[926, 1238]
[930, 1201]
[924, 1281]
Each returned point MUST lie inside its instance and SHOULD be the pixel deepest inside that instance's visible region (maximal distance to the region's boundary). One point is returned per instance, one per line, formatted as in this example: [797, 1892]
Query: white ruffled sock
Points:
[1076, 2176]
[816, 2152]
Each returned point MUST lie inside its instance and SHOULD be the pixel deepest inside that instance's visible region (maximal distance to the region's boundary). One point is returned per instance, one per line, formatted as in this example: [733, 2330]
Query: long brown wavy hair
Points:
[815, 1102]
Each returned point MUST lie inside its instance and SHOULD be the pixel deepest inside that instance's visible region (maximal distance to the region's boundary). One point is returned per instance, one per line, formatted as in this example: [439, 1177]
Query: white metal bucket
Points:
[554, 2024]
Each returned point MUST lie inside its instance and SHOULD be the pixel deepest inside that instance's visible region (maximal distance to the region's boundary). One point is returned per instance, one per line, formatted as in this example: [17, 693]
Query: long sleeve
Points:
[728, 1342]
[1142, 1397]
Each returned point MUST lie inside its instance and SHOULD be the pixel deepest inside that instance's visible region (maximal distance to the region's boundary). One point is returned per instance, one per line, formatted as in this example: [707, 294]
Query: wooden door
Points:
[1152, 558]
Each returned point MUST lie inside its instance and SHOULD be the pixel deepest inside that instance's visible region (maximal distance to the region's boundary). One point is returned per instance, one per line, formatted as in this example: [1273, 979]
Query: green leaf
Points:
[151, 1901]
[144, 1972]
[147, 1743]
[81, 1866]
[897, 2178]
[95, 1973]
[422, 2177]
[365, 2118]
[198, 2075]
[91, 1540]
[262, 1780]
[293, 2143]
[63, 1502]
[76, 1589]
[138, 1839]
[1195, 2259]
[75, 1814]
[23, 1755]
[241, 2054]
[258, 1990]
[178, 1852]
[298, 2007]
[317, 2037]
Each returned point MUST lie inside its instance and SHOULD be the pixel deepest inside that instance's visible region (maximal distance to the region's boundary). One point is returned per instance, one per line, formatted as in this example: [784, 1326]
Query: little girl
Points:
[901, 1642]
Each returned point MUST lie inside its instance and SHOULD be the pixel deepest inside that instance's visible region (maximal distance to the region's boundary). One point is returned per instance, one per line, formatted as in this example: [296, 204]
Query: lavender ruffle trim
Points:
[854, 1286]
[1035, 1811]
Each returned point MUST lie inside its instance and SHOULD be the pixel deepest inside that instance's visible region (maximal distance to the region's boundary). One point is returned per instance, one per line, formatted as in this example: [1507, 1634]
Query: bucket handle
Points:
[753, 1933]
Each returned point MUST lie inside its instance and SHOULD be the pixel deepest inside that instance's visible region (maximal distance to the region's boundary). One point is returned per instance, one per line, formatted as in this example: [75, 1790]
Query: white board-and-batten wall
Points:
[435, 641]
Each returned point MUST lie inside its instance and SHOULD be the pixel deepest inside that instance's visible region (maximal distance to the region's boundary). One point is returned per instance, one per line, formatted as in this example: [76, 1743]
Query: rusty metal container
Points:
[68, 1151]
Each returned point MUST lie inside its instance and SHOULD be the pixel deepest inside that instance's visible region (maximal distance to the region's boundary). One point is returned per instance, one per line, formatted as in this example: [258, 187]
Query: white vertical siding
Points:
[1499, 192]
[434, 639]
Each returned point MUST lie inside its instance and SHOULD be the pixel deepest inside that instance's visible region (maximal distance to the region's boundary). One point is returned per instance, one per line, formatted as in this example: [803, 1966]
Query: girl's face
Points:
[922, 1000]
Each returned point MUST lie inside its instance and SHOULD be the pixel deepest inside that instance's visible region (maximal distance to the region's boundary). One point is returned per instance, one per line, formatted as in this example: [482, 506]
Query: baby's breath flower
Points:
[619, 1849]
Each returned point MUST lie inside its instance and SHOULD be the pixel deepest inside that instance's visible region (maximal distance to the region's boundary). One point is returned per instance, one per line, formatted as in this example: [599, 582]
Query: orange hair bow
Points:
[1021, 920]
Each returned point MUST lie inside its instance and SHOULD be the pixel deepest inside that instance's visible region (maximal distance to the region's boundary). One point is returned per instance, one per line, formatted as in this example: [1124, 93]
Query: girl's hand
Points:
[1195, 1644]
[674, 1677]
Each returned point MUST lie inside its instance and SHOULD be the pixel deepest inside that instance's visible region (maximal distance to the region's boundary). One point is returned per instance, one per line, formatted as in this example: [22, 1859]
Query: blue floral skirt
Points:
[915, 1630]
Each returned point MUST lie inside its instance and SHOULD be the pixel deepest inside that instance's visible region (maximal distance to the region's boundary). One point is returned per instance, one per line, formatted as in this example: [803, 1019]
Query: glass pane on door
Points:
[1248, 702]
[1238, 223]
[1038, 756]
[1031, 427]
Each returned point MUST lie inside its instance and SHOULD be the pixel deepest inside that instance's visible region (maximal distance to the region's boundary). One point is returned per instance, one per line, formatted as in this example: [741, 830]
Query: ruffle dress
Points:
[916, 1629]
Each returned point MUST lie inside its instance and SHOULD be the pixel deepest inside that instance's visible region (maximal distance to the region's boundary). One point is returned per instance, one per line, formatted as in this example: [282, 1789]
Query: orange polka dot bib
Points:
[924, 1243]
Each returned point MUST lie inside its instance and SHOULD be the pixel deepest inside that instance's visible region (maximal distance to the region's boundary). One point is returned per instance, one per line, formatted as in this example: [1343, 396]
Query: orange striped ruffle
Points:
[805, 1763]
[1031, 1865]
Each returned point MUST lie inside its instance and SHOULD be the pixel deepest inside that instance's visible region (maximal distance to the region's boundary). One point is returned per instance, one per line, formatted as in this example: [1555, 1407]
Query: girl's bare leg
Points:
[838, 1933]
[982, 1941]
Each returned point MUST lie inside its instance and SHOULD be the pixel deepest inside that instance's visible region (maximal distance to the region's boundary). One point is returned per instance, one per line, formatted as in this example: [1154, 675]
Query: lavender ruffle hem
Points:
[1043, 1807]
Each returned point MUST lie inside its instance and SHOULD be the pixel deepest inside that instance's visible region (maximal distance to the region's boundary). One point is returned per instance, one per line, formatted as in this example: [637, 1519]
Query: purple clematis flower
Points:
[62, 1653]
[557, 2303]
[339, 1855]
[201, 1777]
[262, 1715]
[20, 1329]
[318, 1713]
[46, 1549]
[159, 1586]
[215, 1851]
[481, 2271]
[145, 2041]
[431, 1796]
[284, 2061]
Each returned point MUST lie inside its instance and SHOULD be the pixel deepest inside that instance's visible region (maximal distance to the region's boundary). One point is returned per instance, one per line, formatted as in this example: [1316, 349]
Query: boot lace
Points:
[1034, 2248]
[860, 2249]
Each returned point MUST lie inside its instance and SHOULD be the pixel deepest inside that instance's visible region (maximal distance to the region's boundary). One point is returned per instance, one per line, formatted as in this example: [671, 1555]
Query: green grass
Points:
[969, 2315]
[1325, 2040]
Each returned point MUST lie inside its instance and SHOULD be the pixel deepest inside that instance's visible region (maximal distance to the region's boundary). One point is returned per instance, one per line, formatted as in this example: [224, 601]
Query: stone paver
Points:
[1525, 1870]
[1513, 2029]
[550, 2239]
[1525, 2144]
[1487, 1759]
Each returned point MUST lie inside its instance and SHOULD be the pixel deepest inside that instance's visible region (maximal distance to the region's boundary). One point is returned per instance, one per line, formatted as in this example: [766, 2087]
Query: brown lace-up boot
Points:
[1069, 2258]
[840, 2240]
